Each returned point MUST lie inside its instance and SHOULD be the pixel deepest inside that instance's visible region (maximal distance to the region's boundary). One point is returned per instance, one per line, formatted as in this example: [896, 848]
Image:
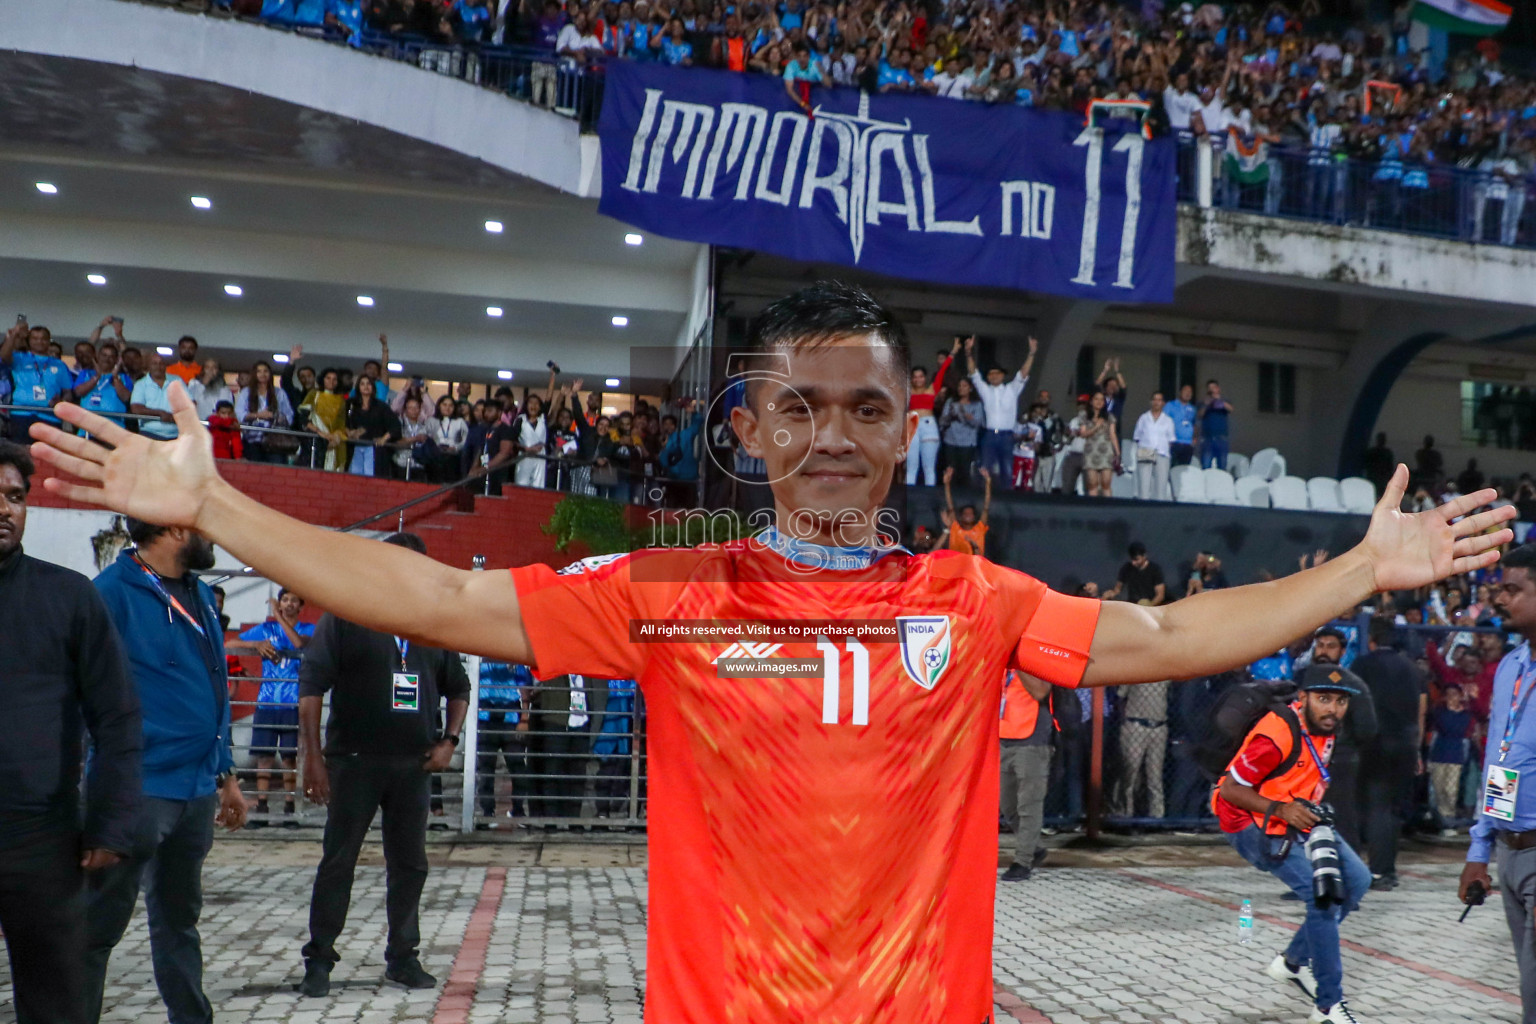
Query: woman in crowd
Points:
[326, 405]
[208, 389]
[1102, 451]
[414, 449]
[370, 420]
[922, 426]
[564, 445]
[264, 404]
[961, 423]
[532, 441]
[606, 478]
[448, 430]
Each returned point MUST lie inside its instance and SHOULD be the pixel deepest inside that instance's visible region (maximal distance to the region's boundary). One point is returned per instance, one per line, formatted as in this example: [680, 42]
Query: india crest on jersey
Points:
[925, 647]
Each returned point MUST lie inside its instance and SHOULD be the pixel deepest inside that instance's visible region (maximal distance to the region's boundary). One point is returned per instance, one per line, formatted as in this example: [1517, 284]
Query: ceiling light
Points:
[494, 226]
[279, 357]
[365, 300]
[621, 321]
[48, 188]
[504, 374]
[202, 202]
[611, 382]
[395, 368]
[165, 350]
[633, 239]
[96, 278]
[234, 290]
[493, 311]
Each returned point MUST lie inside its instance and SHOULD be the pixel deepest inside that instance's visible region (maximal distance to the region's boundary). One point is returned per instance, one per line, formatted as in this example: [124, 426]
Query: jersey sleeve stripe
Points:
[1056, 642]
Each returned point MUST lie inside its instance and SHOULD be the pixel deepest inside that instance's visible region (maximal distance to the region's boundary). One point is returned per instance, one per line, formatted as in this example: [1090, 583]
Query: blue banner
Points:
[912, 186]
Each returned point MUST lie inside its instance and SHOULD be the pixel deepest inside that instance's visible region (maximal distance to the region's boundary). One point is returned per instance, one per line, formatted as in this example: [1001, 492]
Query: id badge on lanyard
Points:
[405, 688]
[1501, 786]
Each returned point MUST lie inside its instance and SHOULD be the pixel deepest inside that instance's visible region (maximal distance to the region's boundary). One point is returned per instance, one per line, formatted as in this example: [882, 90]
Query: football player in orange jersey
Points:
[825, 848]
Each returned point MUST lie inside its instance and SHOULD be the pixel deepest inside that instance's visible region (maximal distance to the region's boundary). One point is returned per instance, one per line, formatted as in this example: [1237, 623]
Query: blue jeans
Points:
[996, 455]
[1317, 943]
[924, 453]
[173, 838]
[1213, 452]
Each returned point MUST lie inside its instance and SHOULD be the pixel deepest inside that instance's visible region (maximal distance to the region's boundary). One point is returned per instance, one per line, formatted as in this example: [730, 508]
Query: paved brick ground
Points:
[1139, 938]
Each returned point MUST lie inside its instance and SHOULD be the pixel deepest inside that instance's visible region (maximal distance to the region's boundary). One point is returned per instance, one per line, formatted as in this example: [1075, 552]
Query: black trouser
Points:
[175, 836]
[502, 743]
[362, 784]
[558, 759]
[961, 459]
[1344, 795]
[42, 912]
[613, 775]
[1383, 794]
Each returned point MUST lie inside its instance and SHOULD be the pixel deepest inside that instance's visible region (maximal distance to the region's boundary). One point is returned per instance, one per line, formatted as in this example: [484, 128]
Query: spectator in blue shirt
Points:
[344, 20]
[800, 74]
[1183, 411]
[894, 76]
[275, 726]
[506, 695]
[1506, 819]
[38, 380]
[1214, 414]
[471, 20]
[676, 50]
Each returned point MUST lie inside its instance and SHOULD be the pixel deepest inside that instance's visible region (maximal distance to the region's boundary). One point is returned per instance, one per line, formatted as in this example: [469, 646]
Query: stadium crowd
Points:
[338, 419]
[1320, 115]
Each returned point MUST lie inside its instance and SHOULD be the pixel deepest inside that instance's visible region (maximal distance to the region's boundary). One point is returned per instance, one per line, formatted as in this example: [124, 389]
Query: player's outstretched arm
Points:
[381, 586]
[1220, 630]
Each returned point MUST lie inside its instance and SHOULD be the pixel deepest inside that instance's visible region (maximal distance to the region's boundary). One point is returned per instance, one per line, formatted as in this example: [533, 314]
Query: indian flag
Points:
[1247, 158]
[1469, 17]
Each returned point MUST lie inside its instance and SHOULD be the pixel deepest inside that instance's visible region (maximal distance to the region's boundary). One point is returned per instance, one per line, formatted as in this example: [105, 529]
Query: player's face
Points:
[1515, 599]
[290, 605]
[830, 435]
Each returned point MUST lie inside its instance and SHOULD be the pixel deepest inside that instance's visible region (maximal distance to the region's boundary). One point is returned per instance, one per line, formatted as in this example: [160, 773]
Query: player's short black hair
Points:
[823, 312]
[12, 454]
[1383, 630]
[1137, 549]
[407, 540]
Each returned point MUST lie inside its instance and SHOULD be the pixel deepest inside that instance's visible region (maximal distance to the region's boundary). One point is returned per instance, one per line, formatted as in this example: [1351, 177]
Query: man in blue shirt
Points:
[506, 695]
[1506, 817]
[1182, 411]
[38, 380]
[100, 383]
[175, 646]
[894, 76]
[275, 725]
[1214, 427]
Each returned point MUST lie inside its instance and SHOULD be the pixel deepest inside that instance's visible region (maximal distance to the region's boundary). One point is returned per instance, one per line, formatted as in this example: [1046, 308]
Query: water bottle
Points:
[1245, 924]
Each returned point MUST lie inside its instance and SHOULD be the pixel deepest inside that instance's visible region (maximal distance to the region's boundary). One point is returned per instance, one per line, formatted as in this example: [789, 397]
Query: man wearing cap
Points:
[1267, 796]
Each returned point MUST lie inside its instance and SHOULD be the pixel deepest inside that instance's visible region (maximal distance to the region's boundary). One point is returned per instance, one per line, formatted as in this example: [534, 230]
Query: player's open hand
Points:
[161, 482]
[1408, 550]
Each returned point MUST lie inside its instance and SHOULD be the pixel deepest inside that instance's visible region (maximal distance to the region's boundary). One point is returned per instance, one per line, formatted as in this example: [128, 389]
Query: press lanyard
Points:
[1516, 710]
[404, 646]
[154, 579]
[1315, 759]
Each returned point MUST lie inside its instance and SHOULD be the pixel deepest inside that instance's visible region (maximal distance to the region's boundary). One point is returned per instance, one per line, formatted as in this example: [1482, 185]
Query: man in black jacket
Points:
[1397, 689]
[64, 669]
[383, 740]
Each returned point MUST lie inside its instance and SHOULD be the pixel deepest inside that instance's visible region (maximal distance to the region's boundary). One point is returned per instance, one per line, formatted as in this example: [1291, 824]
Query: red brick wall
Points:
[506, 530]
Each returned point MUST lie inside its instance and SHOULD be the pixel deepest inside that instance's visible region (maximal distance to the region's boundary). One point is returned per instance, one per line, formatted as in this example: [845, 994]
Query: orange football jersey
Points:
[821, 849]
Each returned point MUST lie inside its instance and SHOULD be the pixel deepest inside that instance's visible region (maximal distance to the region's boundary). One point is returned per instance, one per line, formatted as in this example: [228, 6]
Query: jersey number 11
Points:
[832, 685]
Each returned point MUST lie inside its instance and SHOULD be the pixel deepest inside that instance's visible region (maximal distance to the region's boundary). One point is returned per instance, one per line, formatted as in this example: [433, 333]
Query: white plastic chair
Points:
[1358, 495]
[1250, 490]
[1288, 492]
[1323, 494]
[1188, 484]
[1219, 489]
[1262, 462]
[1123, 485]
[1237, 465]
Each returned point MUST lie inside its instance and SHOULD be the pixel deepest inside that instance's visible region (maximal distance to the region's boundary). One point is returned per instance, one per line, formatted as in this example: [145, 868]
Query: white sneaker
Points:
[1338, 1013]
[1301, 977]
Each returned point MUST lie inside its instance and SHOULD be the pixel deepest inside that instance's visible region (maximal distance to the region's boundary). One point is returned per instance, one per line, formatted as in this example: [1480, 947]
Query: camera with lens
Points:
[1323, 854]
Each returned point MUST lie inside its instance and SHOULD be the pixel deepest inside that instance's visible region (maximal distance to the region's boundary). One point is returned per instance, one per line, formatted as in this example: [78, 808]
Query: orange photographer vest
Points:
[1020, 713]
[1304, 781]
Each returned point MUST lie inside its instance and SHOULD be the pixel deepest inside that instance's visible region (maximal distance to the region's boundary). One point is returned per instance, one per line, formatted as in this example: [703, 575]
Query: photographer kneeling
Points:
[1267, 803]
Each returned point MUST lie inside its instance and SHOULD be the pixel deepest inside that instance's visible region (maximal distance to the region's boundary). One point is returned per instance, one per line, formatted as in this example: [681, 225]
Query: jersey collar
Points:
[821, 556]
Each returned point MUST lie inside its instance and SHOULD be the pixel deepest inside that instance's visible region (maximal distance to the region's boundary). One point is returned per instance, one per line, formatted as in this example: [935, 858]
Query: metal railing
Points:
[1408, 196]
